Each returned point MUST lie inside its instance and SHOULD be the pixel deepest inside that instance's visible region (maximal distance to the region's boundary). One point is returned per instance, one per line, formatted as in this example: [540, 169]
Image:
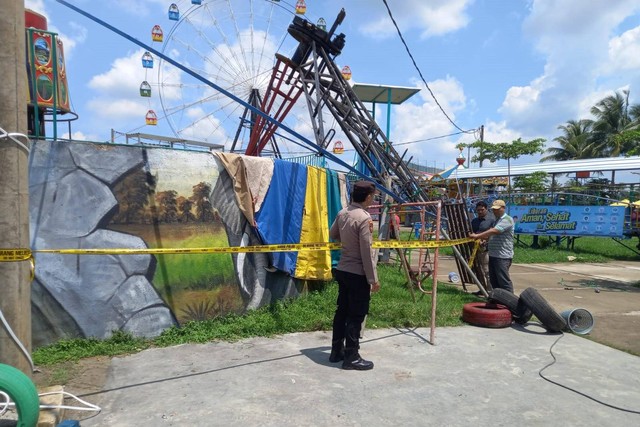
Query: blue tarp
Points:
[280, 217]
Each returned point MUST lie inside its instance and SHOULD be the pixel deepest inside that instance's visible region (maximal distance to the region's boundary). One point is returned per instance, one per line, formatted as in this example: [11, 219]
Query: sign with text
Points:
[600, 221]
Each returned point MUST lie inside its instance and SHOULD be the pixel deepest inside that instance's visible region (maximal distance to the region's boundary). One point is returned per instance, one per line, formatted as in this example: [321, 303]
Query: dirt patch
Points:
[84, 379]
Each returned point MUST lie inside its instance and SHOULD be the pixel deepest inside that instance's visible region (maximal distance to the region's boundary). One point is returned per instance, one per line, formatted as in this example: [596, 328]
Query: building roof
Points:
[171, 140]
[380, 93]
[568, 166]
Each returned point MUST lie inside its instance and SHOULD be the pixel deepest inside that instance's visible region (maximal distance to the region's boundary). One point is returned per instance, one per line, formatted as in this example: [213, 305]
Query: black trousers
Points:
[499, 273]
[354, 294]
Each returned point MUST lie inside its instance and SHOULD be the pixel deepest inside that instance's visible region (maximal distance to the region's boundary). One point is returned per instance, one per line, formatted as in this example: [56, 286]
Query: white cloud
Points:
[112, 111]
[624, 51]
[433, 18]
[80, 136]
[575, 39]
[416, 122]
[124, 77]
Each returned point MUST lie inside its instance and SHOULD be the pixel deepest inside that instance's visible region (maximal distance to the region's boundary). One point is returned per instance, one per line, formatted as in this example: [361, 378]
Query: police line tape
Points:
[8, 255]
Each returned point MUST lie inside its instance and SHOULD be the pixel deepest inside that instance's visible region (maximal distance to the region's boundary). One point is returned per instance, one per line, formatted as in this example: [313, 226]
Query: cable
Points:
[15, 339]
[420, 72]
[6, 403]
[428, 139]
[13, 137]
[574, 390]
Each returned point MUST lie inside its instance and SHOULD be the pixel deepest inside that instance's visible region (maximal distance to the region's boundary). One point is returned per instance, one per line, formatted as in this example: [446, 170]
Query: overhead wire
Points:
[420, 72]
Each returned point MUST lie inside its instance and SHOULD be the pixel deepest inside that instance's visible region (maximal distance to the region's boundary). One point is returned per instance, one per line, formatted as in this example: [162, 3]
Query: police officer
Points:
[356, 275]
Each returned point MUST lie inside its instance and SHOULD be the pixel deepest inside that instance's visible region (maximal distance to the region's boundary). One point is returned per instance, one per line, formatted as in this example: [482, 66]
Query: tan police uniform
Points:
[353, 227]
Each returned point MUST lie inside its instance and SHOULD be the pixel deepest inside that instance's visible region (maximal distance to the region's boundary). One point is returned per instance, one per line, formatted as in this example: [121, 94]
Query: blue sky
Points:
[520, 68]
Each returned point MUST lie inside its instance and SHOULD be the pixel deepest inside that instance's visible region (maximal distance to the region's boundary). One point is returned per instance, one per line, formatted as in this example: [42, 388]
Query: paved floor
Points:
[610, 292]
[471, 376]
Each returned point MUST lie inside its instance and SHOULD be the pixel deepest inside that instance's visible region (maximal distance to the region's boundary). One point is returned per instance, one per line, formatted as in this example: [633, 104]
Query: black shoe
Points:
[357, 363]
[336, 356]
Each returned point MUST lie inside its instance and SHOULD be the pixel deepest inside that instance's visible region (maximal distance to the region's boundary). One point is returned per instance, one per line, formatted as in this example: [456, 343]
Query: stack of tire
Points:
[504, 307]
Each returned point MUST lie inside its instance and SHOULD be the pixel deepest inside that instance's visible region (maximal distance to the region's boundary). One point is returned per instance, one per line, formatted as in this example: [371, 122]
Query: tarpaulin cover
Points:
[315, 228]
[280, 217]
[335, 203]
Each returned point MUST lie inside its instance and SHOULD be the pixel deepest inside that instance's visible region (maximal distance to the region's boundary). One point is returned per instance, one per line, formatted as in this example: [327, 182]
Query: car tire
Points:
[549, 318]
[488, 315]
[520, 311]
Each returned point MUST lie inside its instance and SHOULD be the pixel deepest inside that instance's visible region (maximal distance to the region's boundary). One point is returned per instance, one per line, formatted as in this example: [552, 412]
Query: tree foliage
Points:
[614, 131]
[536, 182]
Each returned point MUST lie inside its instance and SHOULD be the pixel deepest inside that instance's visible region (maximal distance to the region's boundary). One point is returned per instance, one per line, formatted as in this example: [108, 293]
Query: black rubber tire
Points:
[488, 315]
[521, 313]
[23, 393]
[524, 313]
[549, 318]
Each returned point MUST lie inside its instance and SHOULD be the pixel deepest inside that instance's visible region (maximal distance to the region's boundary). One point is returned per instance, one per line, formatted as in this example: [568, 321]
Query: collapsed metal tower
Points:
[313, 71]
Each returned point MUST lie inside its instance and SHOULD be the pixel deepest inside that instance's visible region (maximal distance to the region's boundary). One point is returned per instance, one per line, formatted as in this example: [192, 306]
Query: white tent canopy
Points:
[568, 166]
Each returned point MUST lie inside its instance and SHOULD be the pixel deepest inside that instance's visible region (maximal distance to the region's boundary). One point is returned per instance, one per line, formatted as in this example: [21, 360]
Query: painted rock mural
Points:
[104, 196]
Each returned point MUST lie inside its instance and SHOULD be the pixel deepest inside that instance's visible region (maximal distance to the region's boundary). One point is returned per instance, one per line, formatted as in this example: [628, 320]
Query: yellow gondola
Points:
[346, 72]
[338, 148]
[151, 118]
[301, 7]
[157, 34]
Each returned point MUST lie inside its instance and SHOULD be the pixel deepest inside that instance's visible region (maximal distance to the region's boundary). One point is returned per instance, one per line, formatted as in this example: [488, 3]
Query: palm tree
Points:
[575, 143]
[613, 117]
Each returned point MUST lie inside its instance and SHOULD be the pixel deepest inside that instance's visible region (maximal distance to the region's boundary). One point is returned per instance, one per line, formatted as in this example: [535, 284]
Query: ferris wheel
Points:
[231, 43]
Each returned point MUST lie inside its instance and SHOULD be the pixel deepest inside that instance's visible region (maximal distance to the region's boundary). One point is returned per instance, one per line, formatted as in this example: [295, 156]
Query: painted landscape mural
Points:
[97, 196]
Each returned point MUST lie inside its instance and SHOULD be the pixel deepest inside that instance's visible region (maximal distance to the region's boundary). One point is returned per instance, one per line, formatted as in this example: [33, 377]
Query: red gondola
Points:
[151, 118]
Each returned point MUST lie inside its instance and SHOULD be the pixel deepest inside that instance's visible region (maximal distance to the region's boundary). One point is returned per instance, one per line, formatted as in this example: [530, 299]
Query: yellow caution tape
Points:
[7, 255]
[474, 253]
[15, 254]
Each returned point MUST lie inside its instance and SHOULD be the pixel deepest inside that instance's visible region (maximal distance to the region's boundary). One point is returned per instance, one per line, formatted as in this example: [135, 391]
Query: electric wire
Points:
[420, 72]
[6, 403]
[574, 390]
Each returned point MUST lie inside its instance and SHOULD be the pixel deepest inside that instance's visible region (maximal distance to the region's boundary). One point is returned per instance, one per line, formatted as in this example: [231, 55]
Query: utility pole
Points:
[15, 289]
[481, 141]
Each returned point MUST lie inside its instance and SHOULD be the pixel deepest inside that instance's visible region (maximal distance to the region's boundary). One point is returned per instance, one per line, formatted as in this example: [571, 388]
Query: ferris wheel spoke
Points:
[238, 33]
[253, 68]
[209, 115]
[227, 66]
[231, 43]
[266, 37]
[219, 123]
[225, 38]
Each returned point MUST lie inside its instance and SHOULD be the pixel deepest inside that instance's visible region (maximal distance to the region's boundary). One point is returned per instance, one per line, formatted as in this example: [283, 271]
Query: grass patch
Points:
[391, 307]
[585, 249]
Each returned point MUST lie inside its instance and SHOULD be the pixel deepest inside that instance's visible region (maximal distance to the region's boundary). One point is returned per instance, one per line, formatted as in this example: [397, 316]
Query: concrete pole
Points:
[15, 289]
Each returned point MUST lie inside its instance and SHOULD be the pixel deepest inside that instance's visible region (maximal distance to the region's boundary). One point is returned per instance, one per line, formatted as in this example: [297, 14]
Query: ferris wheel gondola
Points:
[232, 43]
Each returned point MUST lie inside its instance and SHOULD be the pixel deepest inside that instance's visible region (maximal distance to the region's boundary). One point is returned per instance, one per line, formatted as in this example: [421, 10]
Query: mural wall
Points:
[86, 196]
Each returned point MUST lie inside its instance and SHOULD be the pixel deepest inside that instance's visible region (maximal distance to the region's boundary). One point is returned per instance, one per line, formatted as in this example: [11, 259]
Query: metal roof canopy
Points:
[382, 94]
[172, 140]
[568, 166]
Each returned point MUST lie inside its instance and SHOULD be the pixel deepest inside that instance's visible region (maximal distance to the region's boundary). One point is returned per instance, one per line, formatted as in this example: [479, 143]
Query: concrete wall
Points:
[85, 195]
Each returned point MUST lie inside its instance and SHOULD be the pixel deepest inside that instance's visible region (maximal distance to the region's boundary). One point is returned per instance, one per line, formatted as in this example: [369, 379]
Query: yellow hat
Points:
[497, 204]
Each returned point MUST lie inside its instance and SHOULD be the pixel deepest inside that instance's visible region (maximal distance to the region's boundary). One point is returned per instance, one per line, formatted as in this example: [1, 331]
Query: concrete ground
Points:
[470, 376]
[607, 291]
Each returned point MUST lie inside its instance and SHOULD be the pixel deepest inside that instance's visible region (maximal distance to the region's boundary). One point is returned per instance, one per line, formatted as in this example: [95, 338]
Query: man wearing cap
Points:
[500, 246]
[482, 222]
[356, 275]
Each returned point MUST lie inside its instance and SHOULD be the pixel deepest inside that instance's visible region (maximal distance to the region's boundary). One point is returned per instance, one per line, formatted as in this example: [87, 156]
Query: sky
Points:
[520, 68]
